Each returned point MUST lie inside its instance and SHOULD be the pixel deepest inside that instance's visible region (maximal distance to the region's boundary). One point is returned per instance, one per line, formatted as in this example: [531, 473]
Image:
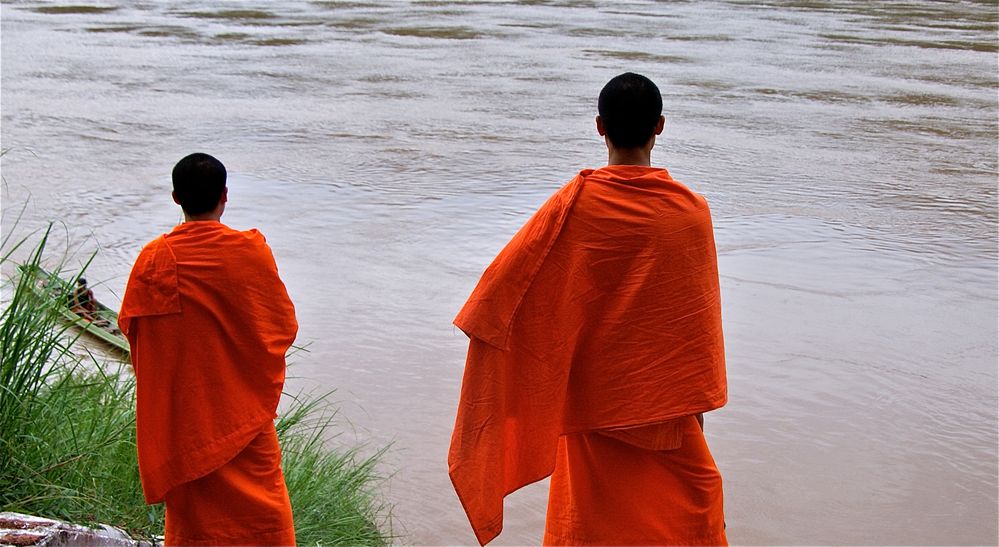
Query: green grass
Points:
[67, 437]
[331, 492]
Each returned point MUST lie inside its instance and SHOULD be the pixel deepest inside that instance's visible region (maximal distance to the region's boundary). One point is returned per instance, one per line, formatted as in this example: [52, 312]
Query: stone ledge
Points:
[18, 530]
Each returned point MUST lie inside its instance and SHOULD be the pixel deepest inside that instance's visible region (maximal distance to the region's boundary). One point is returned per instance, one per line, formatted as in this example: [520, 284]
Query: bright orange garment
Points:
[605, 491]
[247, 501]
[209, 322]
[603, 312]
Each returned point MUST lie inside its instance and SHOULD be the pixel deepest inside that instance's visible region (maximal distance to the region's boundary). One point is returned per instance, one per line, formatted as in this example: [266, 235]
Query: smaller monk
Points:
[209, 322]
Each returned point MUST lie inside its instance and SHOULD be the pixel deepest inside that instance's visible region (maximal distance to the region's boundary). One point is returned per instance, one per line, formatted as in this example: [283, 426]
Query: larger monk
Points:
[595, 348]
[209, 322]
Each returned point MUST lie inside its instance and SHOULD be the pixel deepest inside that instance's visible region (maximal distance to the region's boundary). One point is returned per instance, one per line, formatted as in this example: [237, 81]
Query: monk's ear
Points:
[225, 194]
[660, 125]
[174, 196]
[600, 127]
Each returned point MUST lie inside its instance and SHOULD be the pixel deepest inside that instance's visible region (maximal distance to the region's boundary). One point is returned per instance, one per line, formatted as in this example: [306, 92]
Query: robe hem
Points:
[267, 537]
[714, 539]
[494, 526]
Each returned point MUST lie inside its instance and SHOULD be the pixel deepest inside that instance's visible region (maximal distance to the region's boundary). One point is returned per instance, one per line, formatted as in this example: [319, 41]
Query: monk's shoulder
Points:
[155, 243]
[685, 197]
[152, 248]
[250, 239]
[254, 236]
[254, 244]
[677, 186]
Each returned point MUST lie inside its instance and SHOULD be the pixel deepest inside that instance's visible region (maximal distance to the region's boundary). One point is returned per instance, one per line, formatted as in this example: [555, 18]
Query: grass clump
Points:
[67, 436]
[67, 427]
[331, 492]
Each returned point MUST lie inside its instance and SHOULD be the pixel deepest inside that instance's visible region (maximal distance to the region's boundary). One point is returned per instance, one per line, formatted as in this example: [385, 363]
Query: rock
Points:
[21, 530]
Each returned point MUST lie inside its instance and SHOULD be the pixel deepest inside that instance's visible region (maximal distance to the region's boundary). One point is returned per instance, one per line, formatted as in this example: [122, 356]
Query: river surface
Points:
[389, 149]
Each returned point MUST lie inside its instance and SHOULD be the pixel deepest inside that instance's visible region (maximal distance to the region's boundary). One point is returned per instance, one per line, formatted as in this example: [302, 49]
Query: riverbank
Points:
[26, 531]
[67, 436]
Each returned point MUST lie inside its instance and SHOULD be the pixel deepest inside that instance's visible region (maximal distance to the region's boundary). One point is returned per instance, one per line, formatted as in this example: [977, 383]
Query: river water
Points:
[389, 149]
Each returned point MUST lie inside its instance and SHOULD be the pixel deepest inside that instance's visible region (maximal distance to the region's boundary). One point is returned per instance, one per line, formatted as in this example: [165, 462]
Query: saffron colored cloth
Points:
[244, 502]
[602, 313]
[209, 322]
[605, 491]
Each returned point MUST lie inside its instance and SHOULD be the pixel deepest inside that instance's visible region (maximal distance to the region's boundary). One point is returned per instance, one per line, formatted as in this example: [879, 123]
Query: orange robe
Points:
[607, 490]
[603, 313]
[209, 322]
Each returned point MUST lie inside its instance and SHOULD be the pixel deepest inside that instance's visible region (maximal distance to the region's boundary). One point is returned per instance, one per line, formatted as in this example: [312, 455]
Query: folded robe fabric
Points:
[209, 322]
[607, 491]
[244, 502]
[603, 312]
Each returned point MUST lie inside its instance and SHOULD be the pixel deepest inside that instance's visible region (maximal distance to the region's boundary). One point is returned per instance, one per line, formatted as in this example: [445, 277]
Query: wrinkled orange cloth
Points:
[244, 502]
[605, 491]
[209, 322]
[603, 312]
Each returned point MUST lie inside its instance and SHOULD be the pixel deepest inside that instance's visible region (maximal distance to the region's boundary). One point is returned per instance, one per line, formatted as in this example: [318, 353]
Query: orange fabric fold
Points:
[244, 502]
[209, 322]
[607, 491]
[603, 312]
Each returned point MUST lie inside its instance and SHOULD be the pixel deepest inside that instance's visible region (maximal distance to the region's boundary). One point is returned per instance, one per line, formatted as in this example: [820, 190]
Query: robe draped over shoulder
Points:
[603, 312]
[209, 322]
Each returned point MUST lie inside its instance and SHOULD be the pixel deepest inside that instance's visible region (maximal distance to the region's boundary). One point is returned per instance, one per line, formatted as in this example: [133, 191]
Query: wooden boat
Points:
[99, 321]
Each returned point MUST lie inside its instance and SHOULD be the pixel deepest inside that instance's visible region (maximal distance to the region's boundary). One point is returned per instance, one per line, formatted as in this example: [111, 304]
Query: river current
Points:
[389, 149]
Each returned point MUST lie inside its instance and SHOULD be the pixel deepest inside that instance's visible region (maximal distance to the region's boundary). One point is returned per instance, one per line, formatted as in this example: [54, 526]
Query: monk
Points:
[209, 322]
[595, 348]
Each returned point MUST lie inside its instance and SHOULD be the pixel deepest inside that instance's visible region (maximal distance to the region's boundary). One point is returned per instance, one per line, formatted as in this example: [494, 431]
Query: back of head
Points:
[630, 106]
[198, 183]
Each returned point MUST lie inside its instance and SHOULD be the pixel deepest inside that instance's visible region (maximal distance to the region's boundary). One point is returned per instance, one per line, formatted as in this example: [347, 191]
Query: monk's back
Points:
[209, 322]
[595, 345]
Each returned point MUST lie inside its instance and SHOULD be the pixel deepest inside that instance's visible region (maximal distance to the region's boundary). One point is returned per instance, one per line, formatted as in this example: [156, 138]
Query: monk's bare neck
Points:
[215, 214]
[639, 155]
[206, 216]
[630, 156]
